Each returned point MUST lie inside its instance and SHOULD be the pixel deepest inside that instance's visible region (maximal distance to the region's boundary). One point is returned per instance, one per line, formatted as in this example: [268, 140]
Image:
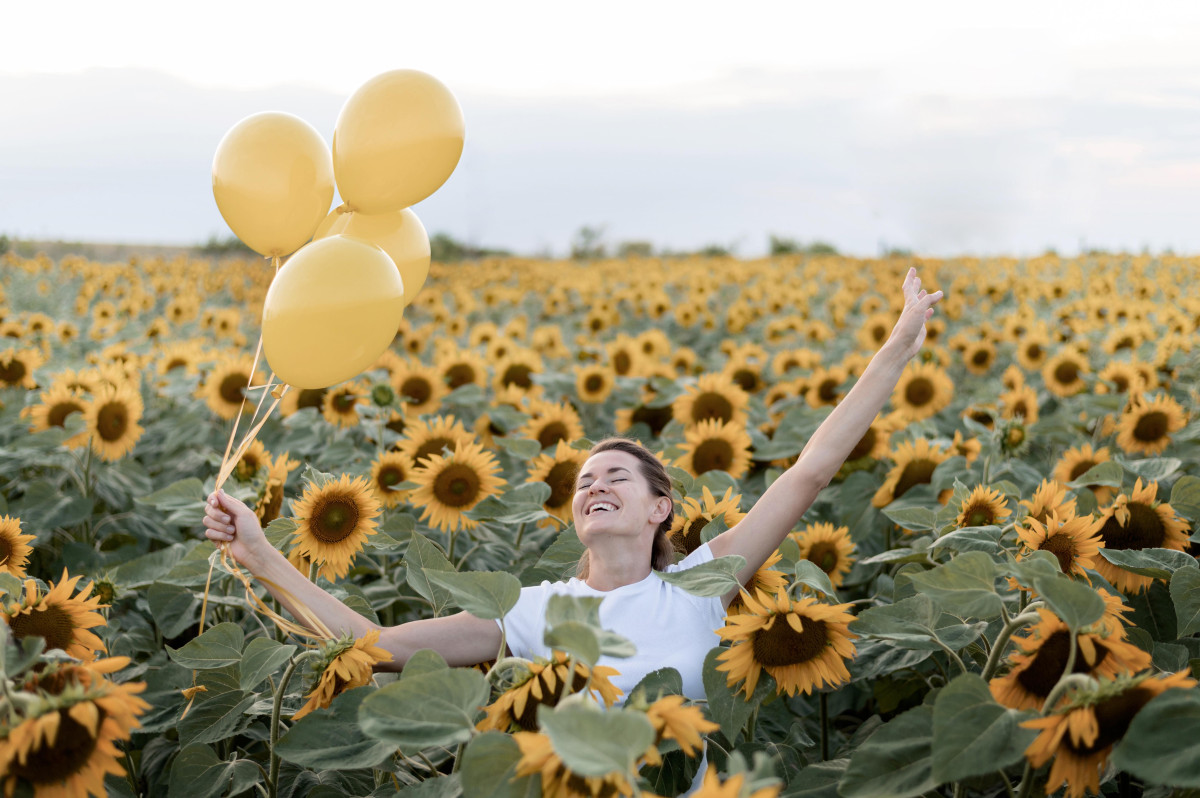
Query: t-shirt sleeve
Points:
[713, 609]
[702, 554]
[524, 625]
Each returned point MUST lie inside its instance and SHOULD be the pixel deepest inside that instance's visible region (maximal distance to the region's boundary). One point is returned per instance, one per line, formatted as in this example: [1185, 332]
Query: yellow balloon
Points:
[397, 139]
[398, 233]
[331, 311]
[272, 178]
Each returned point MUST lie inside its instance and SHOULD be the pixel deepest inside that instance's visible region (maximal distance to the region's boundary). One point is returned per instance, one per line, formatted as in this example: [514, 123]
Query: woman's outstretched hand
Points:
[909, 332]
[231, 521]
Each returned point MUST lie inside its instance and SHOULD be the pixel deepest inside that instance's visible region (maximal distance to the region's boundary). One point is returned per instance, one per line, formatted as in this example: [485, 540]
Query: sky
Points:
[943, 128]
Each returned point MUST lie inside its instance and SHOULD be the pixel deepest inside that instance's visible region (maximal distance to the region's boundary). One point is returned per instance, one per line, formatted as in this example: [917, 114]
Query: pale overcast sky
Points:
[943, 127]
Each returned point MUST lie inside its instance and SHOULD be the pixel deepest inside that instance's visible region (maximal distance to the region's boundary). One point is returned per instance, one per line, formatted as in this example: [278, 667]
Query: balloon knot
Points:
[345, 207]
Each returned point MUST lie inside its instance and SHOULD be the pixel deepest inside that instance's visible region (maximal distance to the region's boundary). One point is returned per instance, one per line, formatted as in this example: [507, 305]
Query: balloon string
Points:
[223, 474]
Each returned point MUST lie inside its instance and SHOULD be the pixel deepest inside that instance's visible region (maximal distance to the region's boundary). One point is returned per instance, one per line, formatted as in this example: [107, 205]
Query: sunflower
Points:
[767, 580]
[345, 664]
[1119, 377]
[61, 620]
[713, 446]
[452, 485]
[255, 457]
[673, 719]
[549, 423]
[1032, 350]
[461, 367]
[979, 356]
[1074, 540]
[923, 390]
[1146, 427]
[271, 503]
[694, 516]
[340, 405]
[1080, 735]
[1076, 462]
[14, 547]
[420, 387]
[968, 448]
[112, 421]
[559, 781]
[1041, 657]
[1063, 373]
[335, 520]
[1020, 401]
[875, 330]
[558, 470]
[1139, 521]
[300, 398]
[594, 382]
[388, 470]
[515, 371]
[70, 745]
[803, 644]
[824, 384]
[184, 356]
[624, 355]
[713, 397]
[17, 367]
[655, 418]
[430, 436]
[746, 374]
[828, 547]
[543, 682]
[914, 465]
[984, 415]
[224, 388]
[983, 507]
[55, 405]
[1049, 497]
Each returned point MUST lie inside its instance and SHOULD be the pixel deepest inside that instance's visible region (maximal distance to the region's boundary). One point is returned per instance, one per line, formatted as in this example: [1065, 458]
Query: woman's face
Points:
[612, 496]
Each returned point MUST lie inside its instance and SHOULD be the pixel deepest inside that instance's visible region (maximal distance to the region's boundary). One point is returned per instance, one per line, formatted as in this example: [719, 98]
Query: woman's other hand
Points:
[909, 332]
[231, 521]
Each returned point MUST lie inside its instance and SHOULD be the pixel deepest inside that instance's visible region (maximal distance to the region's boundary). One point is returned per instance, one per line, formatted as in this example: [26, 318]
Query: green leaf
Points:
[331, 739]
[811, 575]
[970, 538]
[1156, 563]
[183, 493]
[574, 638]
[173, 608]
[895, 761]
[717, 483]
[1185, 497]
[1075, 602]
[729, 706]
[965, 586]
[198, 773]
[656, 684]
[1185, 593]
[424, 660]
[523, 449]
[818, 780]
[584, 609]
[1162, 745]
[713, 578]
[216, 718]
[263, 656]
[489, 769]
[594, 743]
[566, 612]
[422, 555]
[439, 787]
[485, 594]
[918, 519]
[896, 555]
[1155, 469]
[908, 623]
[972, 734]
[141, 571]
[219, 646]
[431, 709]
[1108, 473]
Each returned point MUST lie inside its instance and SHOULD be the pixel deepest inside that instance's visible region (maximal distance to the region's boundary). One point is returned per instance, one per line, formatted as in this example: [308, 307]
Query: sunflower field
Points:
[997, 595]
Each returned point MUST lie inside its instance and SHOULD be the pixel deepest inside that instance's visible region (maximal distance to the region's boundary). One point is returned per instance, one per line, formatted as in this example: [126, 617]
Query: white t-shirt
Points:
[669, 626]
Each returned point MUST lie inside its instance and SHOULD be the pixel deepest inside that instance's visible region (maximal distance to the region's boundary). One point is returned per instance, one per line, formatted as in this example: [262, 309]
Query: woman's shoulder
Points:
[701, 554]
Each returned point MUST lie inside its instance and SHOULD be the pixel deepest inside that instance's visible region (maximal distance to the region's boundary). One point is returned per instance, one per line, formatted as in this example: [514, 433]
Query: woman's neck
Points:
[617, 565]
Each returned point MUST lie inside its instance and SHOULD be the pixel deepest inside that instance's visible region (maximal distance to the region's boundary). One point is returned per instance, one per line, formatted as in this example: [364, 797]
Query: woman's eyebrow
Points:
[614, 468]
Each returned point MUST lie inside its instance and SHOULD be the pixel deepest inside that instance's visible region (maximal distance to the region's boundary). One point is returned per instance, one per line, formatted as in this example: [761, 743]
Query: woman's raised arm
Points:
[462, 639]
[768, 522]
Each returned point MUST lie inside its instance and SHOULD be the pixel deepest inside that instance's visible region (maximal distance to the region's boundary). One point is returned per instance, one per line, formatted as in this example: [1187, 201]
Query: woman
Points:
[622, 510]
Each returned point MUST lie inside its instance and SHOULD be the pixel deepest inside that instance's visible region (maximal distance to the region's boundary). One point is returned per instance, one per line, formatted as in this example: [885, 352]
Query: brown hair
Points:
[662, 552]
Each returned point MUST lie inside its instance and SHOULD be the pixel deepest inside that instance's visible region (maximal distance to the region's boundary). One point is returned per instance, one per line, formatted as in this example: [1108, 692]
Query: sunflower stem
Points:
[273, 778]
[129, 770]
[823, 701]
[957, 659]
[1001, 643]
[1026, 781]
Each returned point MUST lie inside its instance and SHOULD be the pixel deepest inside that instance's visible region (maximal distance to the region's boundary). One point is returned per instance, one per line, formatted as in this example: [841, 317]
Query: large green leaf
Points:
[575, 638]
[1155, 469]
[440, 787]
[1185, 593]
[489, 769]
[197, 772]
[1185, 498]
[818, 780]
[435, 708]
[1162, 745]
[1156, 563]
[917, 519]
[965, 586]
[584, 610]
[217, 647]
[972, 734]
[263, 656]
[593, 742]
[915, 623]
[1108, 474]
[485, 594]
[971, 538]
[173, 608]
[216, 718]
[895, 761]
[713, 578]
[331, 739]
[729, 706]
[1075, 602]
[421, 557]
[811, 575]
